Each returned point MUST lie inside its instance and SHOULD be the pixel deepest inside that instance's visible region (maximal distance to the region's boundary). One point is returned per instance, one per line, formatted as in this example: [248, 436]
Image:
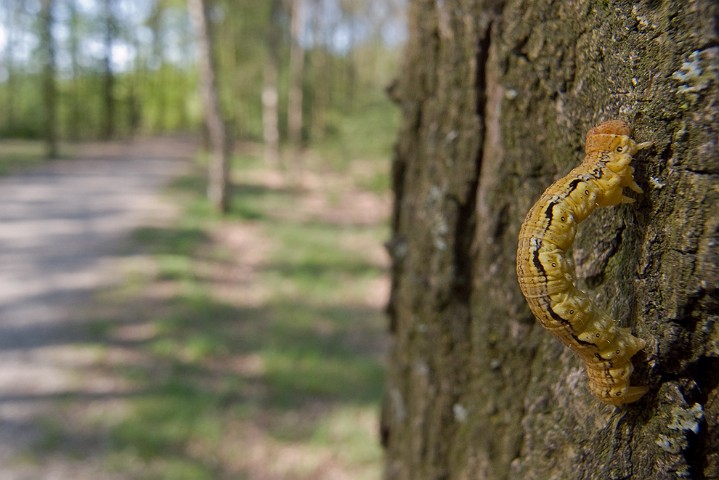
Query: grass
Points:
[246, 346]
[281, 375]
[16, 155]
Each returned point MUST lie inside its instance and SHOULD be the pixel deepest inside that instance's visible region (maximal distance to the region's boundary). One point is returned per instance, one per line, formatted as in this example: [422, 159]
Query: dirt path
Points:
[62, 227]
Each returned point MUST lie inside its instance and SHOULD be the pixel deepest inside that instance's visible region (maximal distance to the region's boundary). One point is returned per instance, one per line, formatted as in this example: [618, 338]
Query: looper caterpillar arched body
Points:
[547, 278]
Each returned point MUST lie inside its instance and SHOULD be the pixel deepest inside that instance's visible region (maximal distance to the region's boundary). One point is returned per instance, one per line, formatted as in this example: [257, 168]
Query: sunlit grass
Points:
[311, 262]
[16, 155]
[285, 385]
[19, 155]
[304, 368]
[354, 429]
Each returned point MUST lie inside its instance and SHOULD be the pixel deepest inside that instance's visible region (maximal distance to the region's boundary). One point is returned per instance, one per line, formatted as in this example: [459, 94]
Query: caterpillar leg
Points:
[630, 395]
[634, 185]
[626, 199]
[618, 394]
[635, 393]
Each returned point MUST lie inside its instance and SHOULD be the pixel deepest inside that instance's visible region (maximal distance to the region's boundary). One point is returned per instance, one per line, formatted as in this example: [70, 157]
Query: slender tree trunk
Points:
[270, 91]
[11, 82]
[351, 63]
[108, 81]
[321, 74]
[218, 185]
[49, 88]
[297, 63]
[497, 97]
[75, 110]
[158, 56]
[138, 77]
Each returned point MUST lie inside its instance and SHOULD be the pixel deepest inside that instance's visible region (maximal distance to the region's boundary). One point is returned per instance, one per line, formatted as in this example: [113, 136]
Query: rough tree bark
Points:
[218, 181]
[496, 98]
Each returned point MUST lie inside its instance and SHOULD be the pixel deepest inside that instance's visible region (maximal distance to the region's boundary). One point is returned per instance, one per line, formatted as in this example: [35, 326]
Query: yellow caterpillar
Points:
[547, 278]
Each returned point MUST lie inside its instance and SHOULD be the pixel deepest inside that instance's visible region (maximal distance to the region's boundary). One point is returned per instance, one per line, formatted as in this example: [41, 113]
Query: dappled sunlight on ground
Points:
[245, 347]
[63, 224]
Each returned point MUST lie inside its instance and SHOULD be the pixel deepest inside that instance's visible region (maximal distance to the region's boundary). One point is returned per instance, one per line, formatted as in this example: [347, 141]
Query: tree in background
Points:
[218, 182]
[297, 66]
[11, 24]
[108, 83]
[126, 67]
[270, 88]
[158, 60]
[74, 118]
[49, 88]
[497, 98]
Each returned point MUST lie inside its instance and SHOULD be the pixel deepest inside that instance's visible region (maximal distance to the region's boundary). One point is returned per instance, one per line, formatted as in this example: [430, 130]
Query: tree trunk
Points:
[108, 78]
[160, 87]
[11, 83]
[321, 73]
[297, 62]
[350, 73]
[270, 89]
[74, 120]
[49, 88]
[496, 99]
[218, 184]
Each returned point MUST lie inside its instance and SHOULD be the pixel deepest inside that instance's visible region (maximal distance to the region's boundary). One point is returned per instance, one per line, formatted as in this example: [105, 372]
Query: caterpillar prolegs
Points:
[547, 278]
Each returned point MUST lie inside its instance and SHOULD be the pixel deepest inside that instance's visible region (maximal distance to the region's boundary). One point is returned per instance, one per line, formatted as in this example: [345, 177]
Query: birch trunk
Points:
[218, 181]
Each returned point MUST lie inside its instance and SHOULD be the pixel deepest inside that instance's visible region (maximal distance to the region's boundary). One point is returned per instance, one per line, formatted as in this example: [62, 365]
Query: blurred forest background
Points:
[98, 69]
[254, 341]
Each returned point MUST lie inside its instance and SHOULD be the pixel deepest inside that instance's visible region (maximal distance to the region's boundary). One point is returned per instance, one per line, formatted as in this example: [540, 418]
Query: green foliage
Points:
[367, 132]
[155, 78]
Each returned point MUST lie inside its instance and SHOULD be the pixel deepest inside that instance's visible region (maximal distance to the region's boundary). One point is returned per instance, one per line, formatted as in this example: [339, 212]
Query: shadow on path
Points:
[62, 226]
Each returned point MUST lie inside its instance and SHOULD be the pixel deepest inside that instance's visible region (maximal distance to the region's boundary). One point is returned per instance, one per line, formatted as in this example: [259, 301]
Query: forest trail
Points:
[63, 227]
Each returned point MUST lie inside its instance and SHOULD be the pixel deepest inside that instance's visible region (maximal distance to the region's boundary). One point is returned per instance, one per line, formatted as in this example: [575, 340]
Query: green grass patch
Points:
[377, 182]
[17, 155]
[176, 241]
[311, 262]
[172, 415]
[258, 202]
[359, 444]
[304, 374]
[211, 369]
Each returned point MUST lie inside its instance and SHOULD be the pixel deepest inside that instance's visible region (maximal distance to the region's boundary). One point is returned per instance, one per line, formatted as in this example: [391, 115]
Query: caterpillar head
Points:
[607, 136]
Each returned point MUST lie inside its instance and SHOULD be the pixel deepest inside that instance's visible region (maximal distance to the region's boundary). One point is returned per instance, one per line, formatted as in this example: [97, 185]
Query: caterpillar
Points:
[546, 276]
